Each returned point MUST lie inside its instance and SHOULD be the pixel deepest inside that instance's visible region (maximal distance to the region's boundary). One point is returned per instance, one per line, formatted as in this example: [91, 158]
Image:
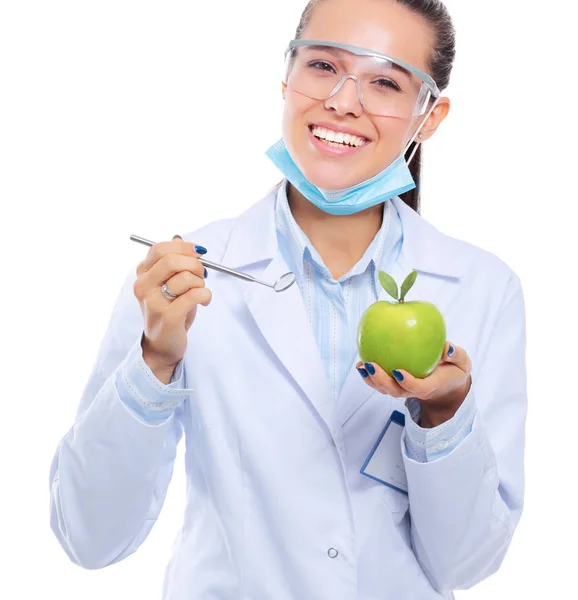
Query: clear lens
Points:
[384, 87]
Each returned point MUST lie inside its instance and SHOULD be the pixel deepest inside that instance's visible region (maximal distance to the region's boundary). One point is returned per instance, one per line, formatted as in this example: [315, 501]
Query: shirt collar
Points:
[298, 248]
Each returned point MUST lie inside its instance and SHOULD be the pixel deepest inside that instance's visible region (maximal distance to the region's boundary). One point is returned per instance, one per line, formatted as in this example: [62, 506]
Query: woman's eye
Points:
[321, 65]
[389, 84]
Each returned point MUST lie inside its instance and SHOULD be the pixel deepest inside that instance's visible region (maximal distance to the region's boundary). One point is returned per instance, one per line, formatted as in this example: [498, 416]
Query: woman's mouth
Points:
[334, 143]
[337, 139]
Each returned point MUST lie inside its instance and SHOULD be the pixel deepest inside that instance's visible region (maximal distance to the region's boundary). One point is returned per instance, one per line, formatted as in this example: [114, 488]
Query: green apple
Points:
[402, 335]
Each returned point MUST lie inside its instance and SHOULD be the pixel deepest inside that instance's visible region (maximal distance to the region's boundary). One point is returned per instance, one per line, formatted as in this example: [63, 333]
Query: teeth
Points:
[337, 137]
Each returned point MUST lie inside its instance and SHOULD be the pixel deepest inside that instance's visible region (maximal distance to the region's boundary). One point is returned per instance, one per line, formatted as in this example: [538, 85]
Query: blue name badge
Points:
[385, 462]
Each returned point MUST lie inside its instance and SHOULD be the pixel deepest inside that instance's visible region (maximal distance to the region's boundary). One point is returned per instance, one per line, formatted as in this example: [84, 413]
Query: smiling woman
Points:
[427, 41]
[297, 486]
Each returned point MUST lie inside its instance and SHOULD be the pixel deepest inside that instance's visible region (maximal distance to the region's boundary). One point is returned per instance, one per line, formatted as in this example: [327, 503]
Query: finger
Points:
[379, 380]
[444, 377]
[161, 249]
[457, 356]
[414, 387]
[170, 265]
[149, 283]
[181, 306]
[181, 283]
[199, 250]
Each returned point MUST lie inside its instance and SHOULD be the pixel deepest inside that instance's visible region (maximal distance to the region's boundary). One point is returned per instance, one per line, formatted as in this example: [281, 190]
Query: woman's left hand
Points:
[440, 394]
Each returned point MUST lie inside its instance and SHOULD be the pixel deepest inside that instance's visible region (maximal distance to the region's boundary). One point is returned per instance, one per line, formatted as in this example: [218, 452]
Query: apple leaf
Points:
[408, 284]
[389, 285]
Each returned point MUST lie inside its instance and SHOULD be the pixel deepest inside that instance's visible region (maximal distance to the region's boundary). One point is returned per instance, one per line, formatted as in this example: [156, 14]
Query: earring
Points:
[420, 136]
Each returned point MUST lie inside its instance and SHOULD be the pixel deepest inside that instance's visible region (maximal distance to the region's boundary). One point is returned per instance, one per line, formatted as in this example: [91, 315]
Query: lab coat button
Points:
[332, 552]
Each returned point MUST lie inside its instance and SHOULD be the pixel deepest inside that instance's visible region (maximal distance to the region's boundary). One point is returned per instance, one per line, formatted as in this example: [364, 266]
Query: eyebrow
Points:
[339, 52]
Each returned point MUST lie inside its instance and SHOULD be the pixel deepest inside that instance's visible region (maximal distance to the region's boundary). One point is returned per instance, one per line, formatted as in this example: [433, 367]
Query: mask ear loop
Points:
[416, 133]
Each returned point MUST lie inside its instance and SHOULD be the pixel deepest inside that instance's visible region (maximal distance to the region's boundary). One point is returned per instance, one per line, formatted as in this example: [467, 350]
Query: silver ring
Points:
[166, 293]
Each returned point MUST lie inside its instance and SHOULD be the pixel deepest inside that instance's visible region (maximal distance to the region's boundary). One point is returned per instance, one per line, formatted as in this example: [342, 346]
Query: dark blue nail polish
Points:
[200, 250]
[206, 273]
[397, 375]
[363, 372]
[370, 368]
[451, 351]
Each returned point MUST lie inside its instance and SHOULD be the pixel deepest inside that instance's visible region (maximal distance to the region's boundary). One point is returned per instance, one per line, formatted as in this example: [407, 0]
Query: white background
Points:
[121, 117]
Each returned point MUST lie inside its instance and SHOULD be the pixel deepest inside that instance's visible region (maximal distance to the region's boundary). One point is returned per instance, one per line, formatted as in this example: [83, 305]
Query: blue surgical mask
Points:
[392, 181]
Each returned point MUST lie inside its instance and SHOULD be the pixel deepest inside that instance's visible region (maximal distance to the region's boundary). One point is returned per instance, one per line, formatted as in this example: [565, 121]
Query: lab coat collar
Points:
[254, 239]
[425, 248]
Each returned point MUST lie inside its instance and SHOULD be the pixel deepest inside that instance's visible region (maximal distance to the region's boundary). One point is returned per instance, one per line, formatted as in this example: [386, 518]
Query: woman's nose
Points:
[346, 99]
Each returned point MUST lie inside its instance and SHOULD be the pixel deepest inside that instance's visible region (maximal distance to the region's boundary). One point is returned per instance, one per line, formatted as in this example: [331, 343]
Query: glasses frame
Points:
[358, 51]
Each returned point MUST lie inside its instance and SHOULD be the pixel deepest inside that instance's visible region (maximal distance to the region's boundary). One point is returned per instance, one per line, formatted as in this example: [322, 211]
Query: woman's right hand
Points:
[166, 322]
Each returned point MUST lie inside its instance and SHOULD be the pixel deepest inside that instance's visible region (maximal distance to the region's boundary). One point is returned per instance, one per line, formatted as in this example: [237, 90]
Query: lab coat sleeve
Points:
[111, 471]
[465, 505]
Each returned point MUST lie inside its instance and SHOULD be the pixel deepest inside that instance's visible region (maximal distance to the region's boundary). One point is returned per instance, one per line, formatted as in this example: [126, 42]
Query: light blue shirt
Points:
[147, 397]
[334, 308]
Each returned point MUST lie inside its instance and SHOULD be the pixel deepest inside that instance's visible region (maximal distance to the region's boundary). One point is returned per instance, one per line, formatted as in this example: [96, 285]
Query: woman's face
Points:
[380, 25]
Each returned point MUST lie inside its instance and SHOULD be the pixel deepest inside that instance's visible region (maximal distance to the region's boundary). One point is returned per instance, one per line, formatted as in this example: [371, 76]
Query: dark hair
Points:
[440, 65]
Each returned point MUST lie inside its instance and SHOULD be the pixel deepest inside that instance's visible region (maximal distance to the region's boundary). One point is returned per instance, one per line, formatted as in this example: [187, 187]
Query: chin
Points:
[330, 179]
[327, 175]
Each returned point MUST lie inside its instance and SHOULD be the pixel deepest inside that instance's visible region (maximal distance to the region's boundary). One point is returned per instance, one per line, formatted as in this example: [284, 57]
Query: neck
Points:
[340, 240]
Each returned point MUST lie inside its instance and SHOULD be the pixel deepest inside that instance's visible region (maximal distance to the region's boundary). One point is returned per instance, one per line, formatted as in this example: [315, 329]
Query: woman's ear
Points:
[438, 114]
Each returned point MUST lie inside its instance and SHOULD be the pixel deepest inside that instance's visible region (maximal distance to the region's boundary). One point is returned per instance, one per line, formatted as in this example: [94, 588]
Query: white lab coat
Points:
[273, 462]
